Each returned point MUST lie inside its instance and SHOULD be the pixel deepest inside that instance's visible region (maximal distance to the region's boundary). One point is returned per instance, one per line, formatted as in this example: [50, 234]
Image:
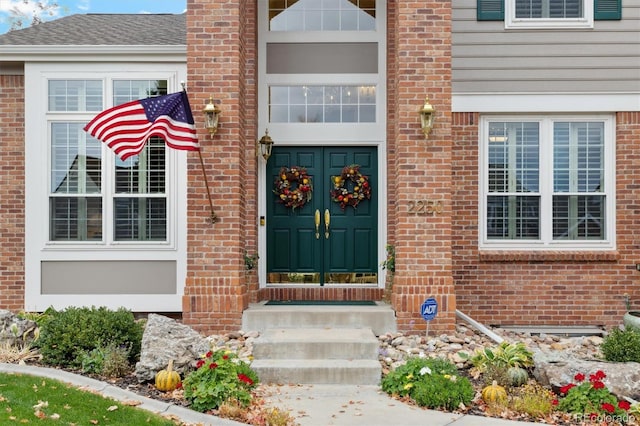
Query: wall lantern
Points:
[427, 113]
[211, 115]
[264, 145]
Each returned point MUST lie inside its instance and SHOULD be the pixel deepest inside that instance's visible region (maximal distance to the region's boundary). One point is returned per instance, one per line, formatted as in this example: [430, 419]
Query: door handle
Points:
[327, 221]
[317, 220]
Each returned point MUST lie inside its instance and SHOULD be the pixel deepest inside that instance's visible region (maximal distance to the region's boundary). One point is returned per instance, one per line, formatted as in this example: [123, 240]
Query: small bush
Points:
[430, 382]
[622, 345]
[219, 377]
[69, 335]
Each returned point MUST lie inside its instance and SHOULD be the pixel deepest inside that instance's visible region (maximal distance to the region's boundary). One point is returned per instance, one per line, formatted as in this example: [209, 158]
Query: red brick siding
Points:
[12, 192]
[550, 288]
[419, 169]
[221, 63]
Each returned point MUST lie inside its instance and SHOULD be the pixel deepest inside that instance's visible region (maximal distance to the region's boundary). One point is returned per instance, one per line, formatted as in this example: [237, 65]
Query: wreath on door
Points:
[293, 187]
[350, 187]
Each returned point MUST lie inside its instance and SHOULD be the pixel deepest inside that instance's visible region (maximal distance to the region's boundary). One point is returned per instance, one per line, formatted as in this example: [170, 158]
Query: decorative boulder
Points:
[165, 339]
[16, 331]
[557, 368]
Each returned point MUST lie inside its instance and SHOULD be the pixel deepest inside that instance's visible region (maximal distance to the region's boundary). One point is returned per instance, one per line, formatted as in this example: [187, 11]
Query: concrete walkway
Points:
[311, 405]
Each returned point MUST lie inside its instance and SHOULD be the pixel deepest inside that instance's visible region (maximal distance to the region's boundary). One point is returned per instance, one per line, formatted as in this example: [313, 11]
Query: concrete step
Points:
[380, 318]
[316, 343]
[318, 371]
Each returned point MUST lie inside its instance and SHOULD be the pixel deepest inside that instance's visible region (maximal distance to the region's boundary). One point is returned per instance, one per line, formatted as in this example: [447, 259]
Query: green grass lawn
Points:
[35, 400]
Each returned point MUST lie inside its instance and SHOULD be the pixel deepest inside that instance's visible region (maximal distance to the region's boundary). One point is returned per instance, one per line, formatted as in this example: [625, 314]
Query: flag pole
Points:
[213, 217]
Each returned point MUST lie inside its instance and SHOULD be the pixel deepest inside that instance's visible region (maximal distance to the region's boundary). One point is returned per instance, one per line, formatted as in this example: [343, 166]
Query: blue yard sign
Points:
[429, 309]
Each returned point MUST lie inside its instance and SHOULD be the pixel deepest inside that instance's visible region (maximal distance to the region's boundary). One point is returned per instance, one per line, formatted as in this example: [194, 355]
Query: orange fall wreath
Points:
[293, 187]
[350, 177]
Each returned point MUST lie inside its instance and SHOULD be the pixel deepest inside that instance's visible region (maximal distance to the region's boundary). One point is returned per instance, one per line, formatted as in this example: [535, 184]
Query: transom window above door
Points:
[322, 15]
[322, 104]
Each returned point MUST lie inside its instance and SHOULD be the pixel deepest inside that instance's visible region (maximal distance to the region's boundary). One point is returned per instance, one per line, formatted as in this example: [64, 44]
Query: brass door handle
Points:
[327, 221]
[317, 220]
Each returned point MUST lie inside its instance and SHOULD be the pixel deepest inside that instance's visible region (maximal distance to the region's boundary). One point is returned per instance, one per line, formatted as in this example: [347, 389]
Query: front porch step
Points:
[380, 318]
[316, 343]
[318, 371]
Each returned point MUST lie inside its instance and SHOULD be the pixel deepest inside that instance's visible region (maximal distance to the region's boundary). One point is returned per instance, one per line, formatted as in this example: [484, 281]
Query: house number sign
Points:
[421, 207]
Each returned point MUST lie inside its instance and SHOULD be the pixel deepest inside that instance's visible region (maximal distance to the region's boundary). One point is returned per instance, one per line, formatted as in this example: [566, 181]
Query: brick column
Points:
[221, 63]
[420, 169]
[12, 206]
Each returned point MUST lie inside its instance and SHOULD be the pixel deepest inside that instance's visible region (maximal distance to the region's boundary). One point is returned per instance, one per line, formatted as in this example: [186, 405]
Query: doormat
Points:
[322, 302]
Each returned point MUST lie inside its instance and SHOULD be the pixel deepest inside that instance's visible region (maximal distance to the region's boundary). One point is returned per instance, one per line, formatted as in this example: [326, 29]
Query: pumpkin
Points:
[518, 376]
[167, 380]
[494, 393]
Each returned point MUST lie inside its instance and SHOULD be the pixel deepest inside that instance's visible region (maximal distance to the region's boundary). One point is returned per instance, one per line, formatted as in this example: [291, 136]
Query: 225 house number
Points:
[425, 207]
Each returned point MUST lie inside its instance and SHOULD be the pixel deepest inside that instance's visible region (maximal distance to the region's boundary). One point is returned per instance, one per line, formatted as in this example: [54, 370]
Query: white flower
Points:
[425, 370]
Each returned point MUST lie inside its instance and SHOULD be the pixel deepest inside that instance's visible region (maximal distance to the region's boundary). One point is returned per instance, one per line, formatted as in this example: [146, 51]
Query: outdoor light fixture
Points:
[427, 113]
[264, 145]
[211, 115]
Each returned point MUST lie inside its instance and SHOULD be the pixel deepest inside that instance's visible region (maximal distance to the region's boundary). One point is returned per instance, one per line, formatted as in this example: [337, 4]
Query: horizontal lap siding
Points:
[488, 58]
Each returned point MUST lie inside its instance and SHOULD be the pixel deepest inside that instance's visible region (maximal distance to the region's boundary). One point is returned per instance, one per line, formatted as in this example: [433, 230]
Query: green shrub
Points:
[504, 355]
[430, 382]
[112, 361]
[219, 377]
[622, 345]
[69, 335]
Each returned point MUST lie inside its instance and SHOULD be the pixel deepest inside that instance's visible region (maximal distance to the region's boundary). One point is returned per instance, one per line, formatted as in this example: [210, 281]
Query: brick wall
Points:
[419, 169]
[221, 64]
[12, 192]
[549, 288]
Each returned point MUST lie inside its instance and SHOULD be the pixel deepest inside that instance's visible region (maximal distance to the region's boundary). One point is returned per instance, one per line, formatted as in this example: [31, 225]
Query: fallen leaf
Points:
[93, 422]
[55, 416]
[39, 414]
[131, 403]
[112, 408]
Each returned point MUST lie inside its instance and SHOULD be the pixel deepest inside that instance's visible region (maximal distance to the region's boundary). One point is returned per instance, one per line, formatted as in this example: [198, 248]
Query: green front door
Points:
[320, 242]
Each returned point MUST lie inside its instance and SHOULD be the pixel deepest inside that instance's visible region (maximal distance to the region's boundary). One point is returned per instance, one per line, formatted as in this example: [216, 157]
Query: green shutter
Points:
[490, 10]
[607, 10]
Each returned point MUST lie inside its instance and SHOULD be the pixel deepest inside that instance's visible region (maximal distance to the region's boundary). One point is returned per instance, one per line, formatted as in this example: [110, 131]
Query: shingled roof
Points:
[103, 30]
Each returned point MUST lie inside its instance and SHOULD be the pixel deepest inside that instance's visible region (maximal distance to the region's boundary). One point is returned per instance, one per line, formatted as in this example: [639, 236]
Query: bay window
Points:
[93, 195]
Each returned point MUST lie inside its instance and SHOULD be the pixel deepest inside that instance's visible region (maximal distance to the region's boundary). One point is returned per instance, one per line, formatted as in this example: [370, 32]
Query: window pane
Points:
[577, 217]
[578, 157]
[513, 152]
[143, 173]
[513, 217]
[75, 95]
[322, 104]
[140, 219]
[75, 218]
[322, 15]
[76, 160]
[131, 90]
[557, 9]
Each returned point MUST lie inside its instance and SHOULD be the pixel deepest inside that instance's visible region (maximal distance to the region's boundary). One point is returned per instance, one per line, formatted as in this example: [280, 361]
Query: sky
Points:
[71, 7]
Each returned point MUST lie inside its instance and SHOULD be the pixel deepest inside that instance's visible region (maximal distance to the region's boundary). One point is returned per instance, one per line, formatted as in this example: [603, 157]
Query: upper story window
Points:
[541, 14]
[97, 197]
[547, 182]
[322, 15]
[548, 13]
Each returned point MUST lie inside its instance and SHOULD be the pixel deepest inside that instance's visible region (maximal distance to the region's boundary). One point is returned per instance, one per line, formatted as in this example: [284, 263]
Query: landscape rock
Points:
[16, 331]
[166, 339]
[558, 368]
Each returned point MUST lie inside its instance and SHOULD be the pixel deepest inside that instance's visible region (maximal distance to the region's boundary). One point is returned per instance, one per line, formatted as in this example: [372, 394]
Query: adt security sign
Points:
[429, 309]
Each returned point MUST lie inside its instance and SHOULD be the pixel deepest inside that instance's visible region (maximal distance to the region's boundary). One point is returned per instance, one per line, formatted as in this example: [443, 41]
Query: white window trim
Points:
[326, 134]
[511, 22]
[546, 186]
[38, 247]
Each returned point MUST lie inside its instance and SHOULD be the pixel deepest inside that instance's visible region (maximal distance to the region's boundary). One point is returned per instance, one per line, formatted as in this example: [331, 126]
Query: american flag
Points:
[126, 127]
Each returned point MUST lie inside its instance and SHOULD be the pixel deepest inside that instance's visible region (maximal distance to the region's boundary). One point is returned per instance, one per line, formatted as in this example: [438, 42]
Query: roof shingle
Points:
[103, 30]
